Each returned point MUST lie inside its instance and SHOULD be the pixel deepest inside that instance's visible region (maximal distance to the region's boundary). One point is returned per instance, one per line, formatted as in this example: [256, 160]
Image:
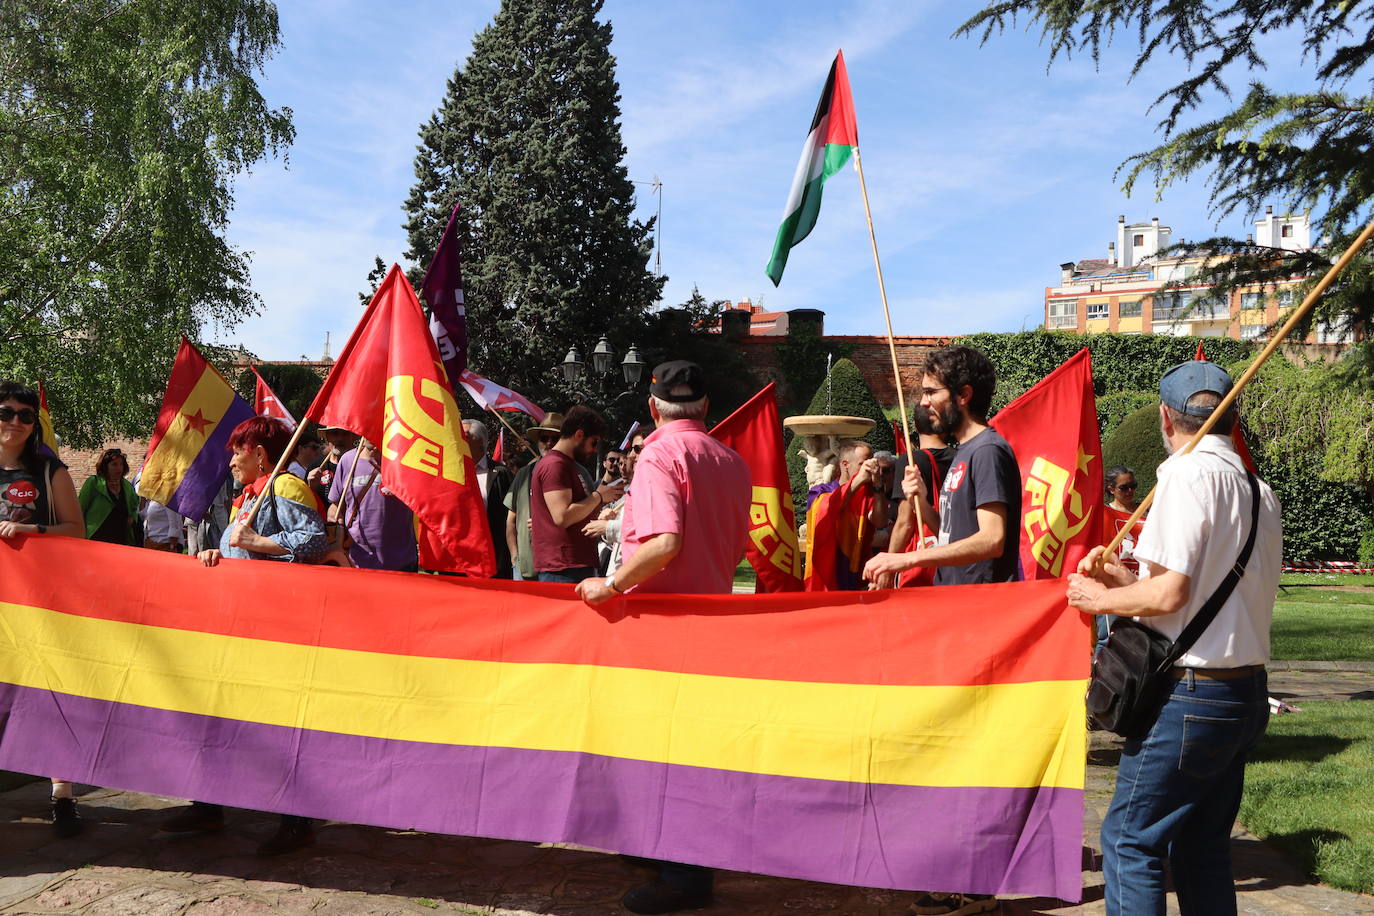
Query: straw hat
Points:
[553, 423]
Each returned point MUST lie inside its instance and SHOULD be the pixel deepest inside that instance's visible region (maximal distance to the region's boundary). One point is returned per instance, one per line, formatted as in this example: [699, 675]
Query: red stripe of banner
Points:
[1011, 633]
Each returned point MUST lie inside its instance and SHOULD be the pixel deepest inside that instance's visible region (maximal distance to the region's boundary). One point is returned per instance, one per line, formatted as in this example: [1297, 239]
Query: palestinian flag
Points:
[832, 140]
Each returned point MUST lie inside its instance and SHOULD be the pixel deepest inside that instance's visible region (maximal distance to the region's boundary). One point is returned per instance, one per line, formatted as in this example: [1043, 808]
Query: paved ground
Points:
[122, 867]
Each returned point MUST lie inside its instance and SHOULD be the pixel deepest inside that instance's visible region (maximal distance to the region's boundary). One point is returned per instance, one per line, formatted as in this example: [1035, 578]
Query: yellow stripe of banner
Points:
[1004, 735]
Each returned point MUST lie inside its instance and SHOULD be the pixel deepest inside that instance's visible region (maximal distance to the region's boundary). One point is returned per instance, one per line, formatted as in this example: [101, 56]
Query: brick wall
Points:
[869, 353]
[81, 463]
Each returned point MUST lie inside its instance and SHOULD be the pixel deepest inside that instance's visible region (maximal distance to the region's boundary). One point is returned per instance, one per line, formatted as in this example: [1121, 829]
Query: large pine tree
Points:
[527, 140]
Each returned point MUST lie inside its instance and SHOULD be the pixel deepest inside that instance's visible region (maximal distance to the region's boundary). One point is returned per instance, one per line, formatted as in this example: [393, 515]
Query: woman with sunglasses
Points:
[1121, 504]
[109, 503]
[37, 496]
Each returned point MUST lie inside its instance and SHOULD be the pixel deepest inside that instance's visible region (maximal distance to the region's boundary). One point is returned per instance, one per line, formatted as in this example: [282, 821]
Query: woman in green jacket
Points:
[109, 502]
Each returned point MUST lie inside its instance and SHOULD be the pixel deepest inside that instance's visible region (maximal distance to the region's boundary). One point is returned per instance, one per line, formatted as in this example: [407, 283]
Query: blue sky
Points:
[984, 171]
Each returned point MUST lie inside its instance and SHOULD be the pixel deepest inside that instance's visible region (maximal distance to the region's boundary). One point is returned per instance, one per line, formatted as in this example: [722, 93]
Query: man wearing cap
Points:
[517, 501]
[1179, 788]
[494, 481]
[684, 527]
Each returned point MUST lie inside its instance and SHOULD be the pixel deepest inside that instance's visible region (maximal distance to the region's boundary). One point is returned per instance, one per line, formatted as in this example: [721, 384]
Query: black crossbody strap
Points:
[1208, 612]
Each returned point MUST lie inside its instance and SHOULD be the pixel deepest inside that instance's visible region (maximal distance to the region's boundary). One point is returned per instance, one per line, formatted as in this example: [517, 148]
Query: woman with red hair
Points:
[289, 526]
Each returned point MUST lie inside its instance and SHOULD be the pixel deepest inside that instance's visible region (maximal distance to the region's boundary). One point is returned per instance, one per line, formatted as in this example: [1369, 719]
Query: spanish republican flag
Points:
[755, 432]
[859, 738]
[1052, 428]
[188, 456]
[389, 387]
[832, 139]
[48, 439]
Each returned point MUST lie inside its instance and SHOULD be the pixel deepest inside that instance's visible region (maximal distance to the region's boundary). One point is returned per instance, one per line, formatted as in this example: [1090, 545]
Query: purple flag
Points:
[443, 292]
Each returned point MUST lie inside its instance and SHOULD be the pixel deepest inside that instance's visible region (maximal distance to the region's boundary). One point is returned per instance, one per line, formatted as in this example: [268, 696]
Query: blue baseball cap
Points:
[1193, 377]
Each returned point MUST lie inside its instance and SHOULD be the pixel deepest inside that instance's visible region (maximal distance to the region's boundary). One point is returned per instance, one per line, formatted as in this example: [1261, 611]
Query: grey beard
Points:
[1168, 446]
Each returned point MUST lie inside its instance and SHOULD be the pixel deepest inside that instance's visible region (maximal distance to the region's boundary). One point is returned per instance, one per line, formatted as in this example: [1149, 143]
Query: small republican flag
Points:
[498, 454]
[755, 432]
[832, 139]
[267, 404]
[47, 442]
[188, 456]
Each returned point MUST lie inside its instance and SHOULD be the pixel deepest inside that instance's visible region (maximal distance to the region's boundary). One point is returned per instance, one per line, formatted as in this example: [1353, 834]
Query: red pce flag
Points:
[1237, 434]
[1052, 428]
[389, 387]
[755, 431]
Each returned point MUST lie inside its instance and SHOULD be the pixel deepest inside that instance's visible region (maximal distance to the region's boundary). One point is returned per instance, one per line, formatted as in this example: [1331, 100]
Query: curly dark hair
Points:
[108, 457]
[17, 391]
[956, 367]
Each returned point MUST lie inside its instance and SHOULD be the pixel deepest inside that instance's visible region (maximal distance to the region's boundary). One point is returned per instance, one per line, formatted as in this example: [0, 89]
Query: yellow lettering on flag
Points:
[775, 539]
[413, 437]
[199, 415]
[1057, 512]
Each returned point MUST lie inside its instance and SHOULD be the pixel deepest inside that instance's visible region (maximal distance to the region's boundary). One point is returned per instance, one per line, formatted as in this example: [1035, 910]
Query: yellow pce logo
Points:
[1056, 512]
[770, 532]
[414, 437]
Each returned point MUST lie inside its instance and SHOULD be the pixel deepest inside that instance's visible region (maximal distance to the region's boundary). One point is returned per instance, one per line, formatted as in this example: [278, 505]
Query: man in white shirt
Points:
[1178, 789]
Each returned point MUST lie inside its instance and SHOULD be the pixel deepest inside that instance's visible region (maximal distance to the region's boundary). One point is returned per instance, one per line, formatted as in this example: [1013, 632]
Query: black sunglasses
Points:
[1125, 486]
[25, 414]
[636, 449]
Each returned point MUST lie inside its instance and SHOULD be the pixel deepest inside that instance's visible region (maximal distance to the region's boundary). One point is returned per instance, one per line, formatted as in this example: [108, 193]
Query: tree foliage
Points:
[294, 384]
[527, 141]
[1136, 443]
[842, 393]
[122, 126]
[1305, 150]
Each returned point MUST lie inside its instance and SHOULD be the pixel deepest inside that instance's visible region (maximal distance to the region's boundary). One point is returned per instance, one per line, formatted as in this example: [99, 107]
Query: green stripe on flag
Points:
[798, 224]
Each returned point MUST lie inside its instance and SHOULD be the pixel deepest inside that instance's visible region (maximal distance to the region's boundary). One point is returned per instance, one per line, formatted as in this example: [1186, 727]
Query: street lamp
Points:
[572, 365]
[633, 366]
[602, 356]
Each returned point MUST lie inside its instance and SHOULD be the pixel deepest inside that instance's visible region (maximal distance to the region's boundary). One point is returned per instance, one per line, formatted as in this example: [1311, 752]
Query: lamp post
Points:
[603, 366]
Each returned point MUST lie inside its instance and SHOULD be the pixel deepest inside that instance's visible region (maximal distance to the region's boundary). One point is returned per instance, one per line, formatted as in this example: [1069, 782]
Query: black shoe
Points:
[662, 897]
[65, 821]
[293, 833]
[199, 816]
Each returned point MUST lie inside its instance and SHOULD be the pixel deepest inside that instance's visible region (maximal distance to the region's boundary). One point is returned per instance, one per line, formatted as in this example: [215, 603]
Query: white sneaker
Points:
[933, 904]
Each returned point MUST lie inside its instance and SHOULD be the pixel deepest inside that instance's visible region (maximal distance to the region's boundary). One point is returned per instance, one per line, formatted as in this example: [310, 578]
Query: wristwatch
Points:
[42, 529]
[610, 583]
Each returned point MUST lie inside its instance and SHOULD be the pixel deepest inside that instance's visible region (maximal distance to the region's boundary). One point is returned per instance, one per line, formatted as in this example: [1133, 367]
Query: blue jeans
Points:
[1177, 793]
[573, 574]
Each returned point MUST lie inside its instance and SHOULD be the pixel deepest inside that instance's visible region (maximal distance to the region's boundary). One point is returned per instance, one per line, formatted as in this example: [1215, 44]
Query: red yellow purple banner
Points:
[922, 739]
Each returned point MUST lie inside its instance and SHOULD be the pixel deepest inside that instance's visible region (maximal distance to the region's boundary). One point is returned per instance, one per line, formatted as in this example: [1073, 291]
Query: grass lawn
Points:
[1315, 624]
[744, 575]
[1308, 791]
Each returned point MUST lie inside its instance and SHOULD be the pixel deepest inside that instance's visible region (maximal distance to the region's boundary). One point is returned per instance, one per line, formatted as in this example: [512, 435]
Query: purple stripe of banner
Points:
[207, 472]
[975, 840]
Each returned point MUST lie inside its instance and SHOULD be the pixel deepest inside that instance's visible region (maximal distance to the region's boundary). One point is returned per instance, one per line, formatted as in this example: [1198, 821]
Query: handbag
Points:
[1133, 672]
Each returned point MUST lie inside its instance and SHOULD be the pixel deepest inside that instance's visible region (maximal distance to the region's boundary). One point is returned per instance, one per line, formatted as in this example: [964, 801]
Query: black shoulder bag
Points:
[1133, 672]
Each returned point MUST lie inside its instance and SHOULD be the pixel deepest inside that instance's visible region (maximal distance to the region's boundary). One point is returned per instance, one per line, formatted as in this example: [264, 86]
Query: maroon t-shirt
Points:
[558, 548]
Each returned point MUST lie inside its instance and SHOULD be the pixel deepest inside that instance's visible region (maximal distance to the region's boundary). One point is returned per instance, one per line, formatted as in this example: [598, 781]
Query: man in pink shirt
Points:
[685, 526]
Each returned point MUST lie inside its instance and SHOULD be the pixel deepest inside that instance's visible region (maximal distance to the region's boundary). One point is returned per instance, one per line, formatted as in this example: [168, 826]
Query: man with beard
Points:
[560, 504]
[979, 514]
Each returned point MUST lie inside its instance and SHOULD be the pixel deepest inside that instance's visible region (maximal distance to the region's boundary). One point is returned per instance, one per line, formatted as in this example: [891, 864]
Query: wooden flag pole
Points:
[891, 345]
[1308, 303]
[511, 429]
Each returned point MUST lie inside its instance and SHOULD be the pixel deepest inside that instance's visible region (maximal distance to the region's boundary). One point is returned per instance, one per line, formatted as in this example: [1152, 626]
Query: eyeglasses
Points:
[26, 415]
[613, 459]
[548, 440]
[636, 449]
[1126, 486]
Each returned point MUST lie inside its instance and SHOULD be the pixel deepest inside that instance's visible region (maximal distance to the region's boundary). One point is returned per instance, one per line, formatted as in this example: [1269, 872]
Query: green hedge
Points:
[1136, 444]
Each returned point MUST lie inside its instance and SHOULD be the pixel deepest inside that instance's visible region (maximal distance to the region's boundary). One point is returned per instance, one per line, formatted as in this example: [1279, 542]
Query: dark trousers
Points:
[573, 575]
